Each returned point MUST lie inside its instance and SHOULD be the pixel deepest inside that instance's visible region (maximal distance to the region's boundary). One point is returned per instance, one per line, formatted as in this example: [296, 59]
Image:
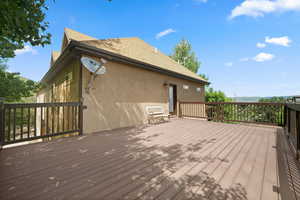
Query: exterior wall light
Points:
[185, 87]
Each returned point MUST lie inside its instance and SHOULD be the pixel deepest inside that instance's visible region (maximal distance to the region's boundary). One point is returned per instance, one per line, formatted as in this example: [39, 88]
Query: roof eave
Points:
[57, 65]
[84, 48]
[119, 58]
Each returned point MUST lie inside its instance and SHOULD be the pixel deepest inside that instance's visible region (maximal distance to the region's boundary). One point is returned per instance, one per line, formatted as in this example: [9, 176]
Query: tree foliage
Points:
[22, 21]
[183, 54]
[273, 100]
[215, 96]
[13, 87]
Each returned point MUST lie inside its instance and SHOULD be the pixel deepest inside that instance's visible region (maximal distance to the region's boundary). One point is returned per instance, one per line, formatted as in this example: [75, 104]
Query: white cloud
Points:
[164, 33]
[228, 64]
[282, 41]
[261, 45]
[26, 49]
[244, 59]
[258, 8]
[262, 57]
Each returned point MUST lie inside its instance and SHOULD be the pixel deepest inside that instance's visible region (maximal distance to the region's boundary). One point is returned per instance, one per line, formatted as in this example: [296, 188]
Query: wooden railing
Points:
[30, 121]
[292, 126]
[261, 113]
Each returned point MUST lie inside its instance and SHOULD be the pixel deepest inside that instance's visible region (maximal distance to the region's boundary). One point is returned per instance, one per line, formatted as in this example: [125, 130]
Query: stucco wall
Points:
[119, 97]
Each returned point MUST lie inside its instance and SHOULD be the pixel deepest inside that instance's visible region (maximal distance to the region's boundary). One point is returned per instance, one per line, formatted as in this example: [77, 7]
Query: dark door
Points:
[172, 98]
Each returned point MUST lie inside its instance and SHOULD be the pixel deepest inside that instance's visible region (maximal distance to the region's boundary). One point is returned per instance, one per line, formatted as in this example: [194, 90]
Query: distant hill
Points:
[249, 99]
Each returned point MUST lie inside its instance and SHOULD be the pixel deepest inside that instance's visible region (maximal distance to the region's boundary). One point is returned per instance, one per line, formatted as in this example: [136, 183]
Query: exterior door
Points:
[172, 99]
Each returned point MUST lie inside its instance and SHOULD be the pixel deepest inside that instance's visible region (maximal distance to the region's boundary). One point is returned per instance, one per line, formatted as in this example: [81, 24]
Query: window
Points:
[198, 89]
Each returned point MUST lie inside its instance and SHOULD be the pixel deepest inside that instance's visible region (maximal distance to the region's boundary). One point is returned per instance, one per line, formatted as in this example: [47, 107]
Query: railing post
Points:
[179, 109]
[288, 121]
[80, 121]
[298, 133]
[2, 124]
[285, 116]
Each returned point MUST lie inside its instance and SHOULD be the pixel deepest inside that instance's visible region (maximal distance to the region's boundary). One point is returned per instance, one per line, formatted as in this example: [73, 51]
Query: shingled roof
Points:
[132, 48]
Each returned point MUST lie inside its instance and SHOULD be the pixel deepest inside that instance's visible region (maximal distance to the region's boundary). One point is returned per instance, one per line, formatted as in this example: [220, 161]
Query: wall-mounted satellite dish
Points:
[94, 66]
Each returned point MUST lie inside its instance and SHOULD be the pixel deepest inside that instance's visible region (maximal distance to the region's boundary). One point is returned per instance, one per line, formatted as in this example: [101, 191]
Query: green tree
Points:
[272, 100]
[22, 21]
[215, 96]
[13, 87]
[183, 54]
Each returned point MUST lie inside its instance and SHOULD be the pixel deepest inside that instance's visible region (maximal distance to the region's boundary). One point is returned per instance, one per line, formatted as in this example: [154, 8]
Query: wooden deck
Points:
[181, 159]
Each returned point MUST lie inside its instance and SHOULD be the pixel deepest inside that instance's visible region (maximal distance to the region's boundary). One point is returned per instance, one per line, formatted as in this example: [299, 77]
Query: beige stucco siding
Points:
[119, 97]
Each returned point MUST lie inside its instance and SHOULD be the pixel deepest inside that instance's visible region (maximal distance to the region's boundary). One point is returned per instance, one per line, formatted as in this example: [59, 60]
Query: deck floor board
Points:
[181, 159]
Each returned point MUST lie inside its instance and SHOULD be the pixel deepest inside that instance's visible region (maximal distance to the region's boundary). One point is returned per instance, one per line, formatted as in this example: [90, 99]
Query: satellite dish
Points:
[94, 66]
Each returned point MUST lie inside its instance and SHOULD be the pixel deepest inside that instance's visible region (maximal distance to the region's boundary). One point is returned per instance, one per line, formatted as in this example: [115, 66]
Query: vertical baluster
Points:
[77, 117]
[194, 110]
[233, 111]
[22, 110]
[63, 118]
[52, 119]
[247, 112]
[230, 112]
[73, 116]
[245, 116]
[3, 117]
[72, 120]
[297, 134]
[278, 113]
[14, 125]
[68, 118]
[28, 123]
[236, 112]
[213, 111]
[9, 124]
[58, 120]
[41, 131]
[282, 115]
[47, 121]
[34, 121]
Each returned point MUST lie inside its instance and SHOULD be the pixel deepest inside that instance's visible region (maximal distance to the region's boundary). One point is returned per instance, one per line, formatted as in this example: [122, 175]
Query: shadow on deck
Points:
[183, 159]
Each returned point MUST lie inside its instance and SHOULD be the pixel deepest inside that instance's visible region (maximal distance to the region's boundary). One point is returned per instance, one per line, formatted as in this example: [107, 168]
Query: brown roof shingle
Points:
[133, 48]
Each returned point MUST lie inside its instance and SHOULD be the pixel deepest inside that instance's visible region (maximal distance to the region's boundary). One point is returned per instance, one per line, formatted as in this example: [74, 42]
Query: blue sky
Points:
[224, 34]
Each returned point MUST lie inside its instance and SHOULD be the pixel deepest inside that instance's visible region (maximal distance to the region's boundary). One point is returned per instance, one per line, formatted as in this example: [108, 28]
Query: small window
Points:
[198, 89]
